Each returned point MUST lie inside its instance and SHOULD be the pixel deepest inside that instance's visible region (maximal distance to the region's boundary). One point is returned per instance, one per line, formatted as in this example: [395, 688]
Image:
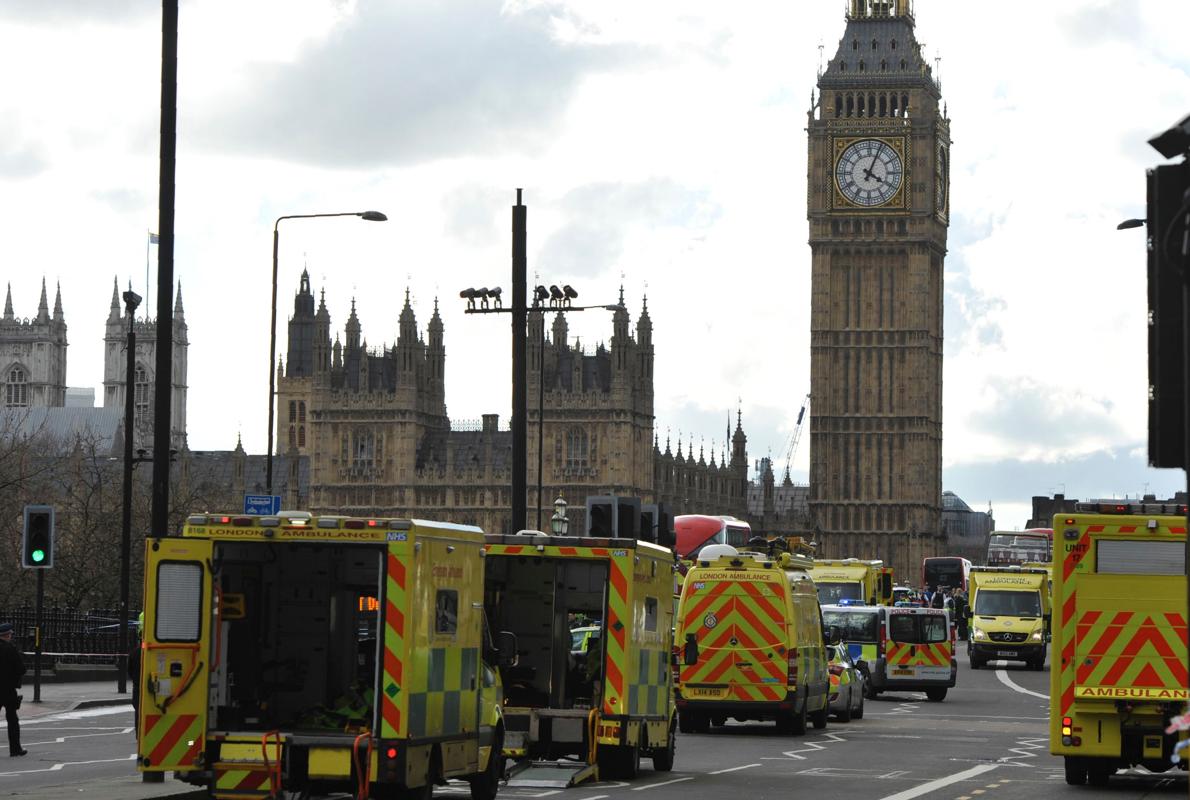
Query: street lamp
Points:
[559, 523]
[131, 301]
[370, 216]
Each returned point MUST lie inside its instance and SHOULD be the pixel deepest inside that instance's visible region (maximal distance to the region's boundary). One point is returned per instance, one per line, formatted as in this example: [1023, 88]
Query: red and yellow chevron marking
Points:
[241, 781]
[1131, 649]
[548, 551]
[757, 627]
[901, 654]
[1067, 602]
[171, 740]
[392, 689]
[619, 617]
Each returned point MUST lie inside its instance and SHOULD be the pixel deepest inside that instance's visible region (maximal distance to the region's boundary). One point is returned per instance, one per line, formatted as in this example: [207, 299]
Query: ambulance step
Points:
[549, 774]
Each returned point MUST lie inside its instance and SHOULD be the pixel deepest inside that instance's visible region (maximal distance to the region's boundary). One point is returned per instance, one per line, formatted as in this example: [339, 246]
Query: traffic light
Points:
[37, 542]
[601, 520]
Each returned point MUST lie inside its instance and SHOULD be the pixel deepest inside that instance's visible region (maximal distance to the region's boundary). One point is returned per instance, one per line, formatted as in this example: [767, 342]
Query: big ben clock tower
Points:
[878, 207]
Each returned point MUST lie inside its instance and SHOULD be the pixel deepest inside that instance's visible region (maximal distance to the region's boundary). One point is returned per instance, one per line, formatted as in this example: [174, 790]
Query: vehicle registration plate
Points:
[705, 691]
[903, 672]
[1006, 653]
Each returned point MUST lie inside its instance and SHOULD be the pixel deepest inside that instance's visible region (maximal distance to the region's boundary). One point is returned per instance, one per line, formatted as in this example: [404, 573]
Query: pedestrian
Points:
[12, 668]
[134, 673]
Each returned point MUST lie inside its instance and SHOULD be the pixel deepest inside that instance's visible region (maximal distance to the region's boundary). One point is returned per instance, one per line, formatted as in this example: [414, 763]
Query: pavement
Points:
[38, 781]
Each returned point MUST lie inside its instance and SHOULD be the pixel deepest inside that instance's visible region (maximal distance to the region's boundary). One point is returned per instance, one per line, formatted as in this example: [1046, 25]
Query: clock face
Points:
[869, 172]
[942, 179]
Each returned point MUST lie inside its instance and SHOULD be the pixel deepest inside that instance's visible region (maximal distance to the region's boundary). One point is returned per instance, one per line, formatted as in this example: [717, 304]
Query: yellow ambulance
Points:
[750, 634]
[852, 580]
[1009, 615]
[1118, 671]
[299, 653]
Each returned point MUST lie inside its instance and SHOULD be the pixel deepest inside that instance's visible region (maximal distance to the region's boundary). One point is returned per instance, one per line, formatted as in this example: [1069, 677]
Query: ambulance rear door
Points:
[175, 654]
[917, 645]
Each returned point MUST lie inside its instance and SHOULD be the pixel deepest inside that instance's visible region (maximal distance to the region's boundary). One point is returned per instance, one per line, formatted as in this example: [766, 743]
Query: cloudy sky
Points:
[661, 145]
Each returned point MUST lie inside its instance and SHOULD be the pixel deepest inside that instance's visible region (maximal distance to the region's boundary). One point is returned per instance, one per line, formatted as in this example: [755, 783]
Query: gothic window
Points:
[576, 448]
[302, 411]
[894, 44]
[850, 105]
[302, 436]
[842, 66]
[874, 45]
[292, 412]
[861, 65]
[292, 436]
[16, 388]
[883, 68]
[363, 449]
[143, 396]
[855, 44]
[903, 64]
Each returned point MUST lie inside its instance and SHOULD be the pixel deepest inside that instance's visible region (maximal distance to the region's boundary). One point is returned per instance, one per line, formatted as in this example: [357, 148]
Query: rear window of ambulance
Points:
[854, 626]
[1115, 557]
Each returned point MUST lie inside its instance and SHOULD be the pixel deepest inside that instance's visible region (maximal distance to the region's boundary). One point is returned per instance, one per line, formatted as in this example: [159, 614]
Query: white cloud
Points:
[663, 142]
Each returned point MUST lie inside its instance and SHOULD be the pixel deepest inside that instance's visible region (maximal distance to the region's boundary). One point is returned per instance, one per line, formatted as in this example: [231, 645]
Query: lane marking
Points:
[1007, 681]
[663, 783]
[733, 769]
[58, 767]
[941, 783]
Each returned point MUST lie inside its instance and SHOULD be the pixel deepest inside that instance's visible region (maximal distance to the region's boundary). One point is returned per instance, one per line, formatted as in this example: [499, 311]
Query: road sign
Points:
[262, 503]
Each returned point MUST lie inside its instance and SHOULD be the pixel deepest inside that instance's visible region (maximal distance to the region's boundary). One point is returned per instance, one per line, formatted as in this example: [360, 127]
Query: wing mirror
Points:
[506, 649]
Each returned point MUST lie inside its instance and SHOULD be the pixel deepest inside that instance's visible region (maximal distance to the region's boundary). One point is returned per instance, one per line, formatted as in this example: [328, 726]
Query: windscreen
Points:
[1018, 548]
[829, 593]
[947, 573]
[997, 603]
[854, 626]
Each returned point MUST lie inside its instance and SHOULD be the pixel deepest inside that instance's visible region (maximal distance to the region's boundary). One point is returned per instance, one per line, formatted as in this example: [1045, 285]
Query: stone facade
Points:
[374, 426]
[878, 210]
[115, 368]
[33, 356]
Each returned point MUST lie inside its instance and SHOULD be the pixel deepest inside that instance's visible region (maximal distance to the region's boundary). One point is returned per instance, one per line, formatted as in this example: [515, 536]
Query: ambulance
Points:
[750, 635]
[1009, 616]
[319, 654]
[572, 716]
[1119, 672]
[852, 580]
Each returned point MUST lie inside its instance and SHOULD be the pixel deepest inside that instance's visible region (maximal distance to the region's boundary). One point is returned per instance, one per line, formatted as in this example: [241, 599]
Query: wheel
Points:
[1037, 664]
[798, 728]
[819, 717]
[977, 662]
[485, 785]
[845, 714]
[1076, 771]
[936, 695]
[1099, 771]
[702, 723]
[686, 721]
[859, 712]
[619, 762]
[663, 760]
[719, 720]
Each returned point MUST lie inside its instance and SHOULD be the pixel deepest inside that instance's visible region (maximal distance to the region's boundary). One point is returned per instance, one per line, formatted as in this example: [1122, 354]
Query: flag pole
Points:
[148, 244]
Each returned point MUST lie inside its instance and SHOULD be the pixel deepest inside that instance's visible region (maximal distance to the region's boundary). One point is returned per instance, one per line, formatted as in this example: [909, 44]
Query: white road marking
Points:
[1007, 681]
[663, 783]
[733, 769]
[810, 747]
[941, 783]
[57, 767]
[84, 713]
[597, 797]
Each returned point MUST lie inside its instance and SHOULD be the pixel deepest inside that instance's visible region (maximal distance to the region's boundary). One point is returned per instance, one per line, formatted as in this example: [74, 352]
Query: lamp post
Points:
[131, 301]
[489, 301]
[559, 523]
[370, 216]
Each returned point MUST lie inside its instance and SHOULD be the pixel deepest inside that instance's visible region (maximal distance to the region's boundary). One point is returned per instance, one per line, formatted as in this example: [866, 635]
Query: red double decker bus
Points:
[696, 531]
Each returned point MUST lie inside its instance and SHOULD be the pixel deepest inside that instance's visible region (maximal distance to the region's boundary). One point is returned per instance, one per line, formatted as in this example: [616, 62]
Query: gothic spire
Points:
[43, 307]
[58, 304]
[178, 310]
[8, 304]
[114, 316]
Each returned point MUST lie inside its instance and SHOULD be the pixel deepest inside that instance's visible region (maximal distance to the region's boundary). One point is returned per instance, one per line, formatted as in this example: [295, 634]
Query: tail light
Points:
[675, 660]
[1067, 726]
[880, 642]
[791, 675]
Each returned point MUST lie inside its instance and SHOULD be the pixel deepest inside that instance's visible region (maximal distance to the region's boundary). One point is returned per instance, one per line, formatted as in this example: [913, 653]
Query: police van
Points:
[903, 649]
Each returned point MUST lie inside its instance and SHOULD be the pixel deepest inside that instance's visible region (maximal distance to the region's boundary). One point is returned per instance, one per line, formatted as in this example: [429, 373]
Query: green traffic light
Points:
[38, 556]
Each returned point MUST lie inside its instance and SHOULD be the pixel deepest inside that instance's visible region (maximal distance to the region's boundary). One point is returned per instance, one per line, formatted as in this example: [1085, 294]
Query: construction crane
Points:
[797, 435]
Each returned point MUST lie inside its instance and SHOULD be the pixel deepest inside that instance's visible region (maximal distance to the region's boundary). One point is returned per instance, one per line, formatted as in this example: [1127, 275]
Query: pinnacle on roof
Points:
[178, 310]
[43, 307]
[8, 304]
[58, 303]
[116, 295]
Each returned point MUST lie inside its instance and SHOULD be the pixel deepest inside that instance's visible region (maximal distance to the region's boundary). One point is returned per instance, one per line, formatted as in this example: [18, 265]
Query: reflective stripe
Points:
[619, 617]
[169, 739]
[394, 699]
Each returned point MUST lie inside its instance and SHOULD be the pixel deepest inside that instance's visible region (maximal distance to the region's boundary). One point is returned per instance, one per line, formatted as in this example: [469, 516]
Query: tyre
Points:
[485, 785]
[977, 662]
[663, 760]
[719, 720]
[1099, 771]
[859, 712]
[845, 714]
[619, 762]
[1076, 771]
[702, 723]
[1037, 664]
[818, 718]
[936, 695]
[798, 728]
[686, 721]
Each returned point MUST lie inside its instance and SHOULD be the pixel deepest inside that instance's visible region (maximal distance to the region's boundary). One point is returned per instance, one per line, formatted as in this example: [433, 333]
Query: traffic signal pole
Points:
[37, 636]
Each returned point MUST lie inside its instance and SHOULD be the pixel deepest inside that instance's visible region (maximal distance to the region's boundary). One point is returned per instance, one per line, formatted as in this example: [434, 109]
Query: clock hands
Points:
[868, 172]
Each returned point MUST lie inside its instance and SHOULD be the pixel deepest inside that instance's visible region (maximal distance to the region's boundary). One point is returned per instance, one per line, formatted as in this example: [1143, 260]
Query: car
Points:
[847, 685]
[582, 638]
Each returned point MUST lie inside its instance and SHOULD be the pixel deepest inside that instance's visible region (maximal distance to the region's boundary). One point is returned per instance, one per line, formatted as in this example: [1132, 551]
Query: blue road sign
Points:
[262, 503]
